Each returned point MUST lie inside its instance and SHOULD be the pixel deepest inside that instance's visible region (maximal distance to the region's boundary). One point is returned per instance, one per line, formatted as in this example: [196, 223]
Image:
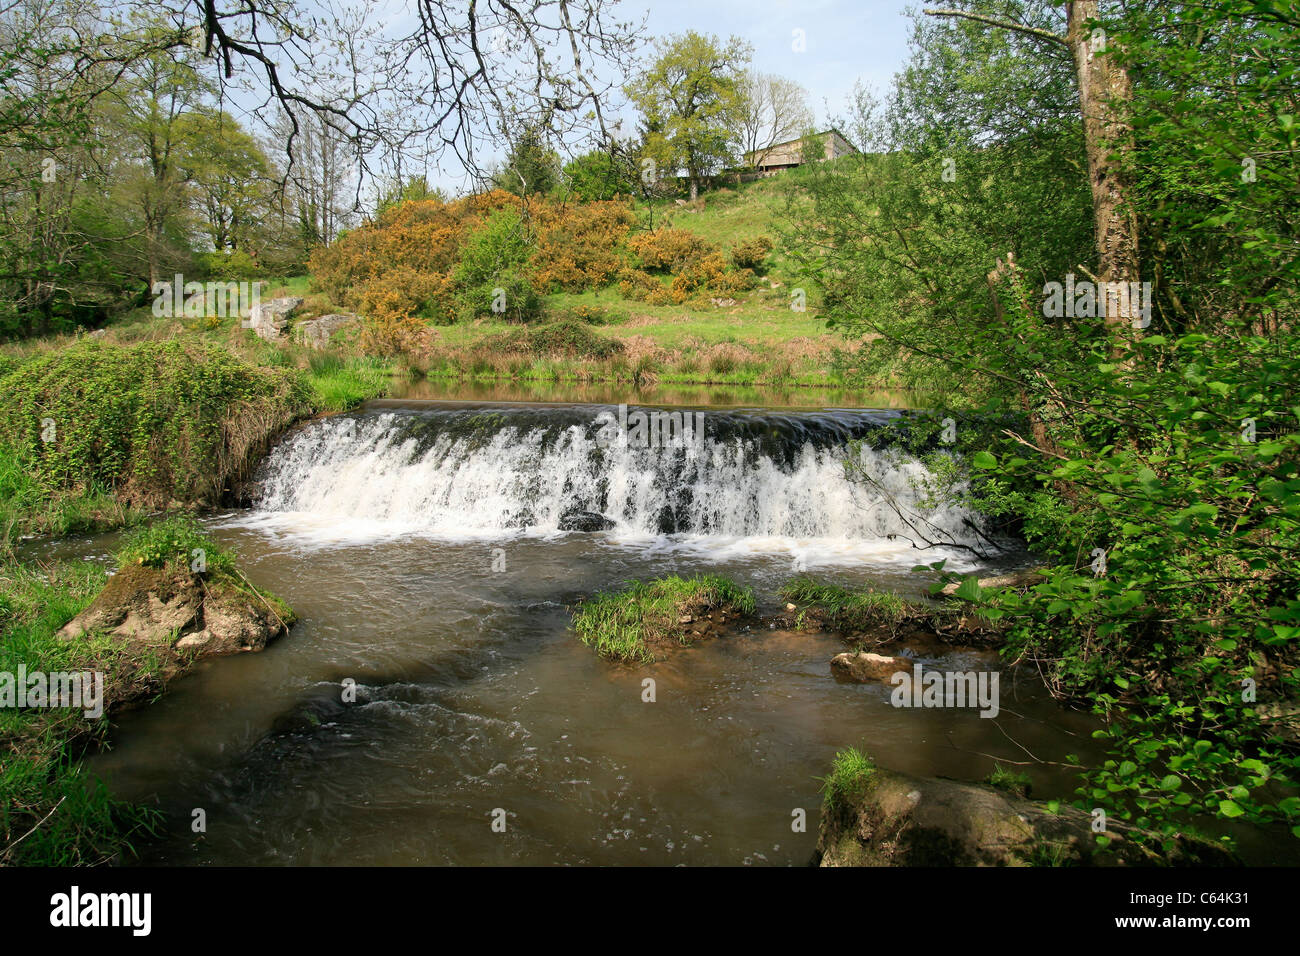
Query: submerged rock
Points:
[179, 611]
[864, 667]
[584, 521]
[883, 818]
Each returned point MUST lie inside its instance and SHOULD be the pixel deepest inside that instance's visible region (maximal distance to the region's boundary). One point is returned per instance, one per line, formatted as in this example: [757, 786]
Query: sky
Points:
[845, 40]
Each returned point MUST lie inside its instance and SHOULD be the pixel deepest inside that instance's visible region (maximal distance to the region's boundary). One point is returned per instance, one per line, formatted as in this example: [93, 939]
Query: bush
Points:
[670, 249]
[750, 253]
[580, 248]
[569, 338]
[153, 422]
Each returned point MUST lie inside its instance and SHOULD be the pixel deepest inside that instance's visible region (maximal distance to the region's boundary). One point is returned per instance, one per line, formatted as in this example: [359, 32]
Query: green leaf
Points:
[984, 460]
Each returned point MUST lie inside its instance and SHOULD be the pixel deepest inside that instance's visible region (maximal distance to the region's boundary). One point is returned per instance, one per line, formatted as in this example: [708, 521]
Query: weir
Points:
[464, 469]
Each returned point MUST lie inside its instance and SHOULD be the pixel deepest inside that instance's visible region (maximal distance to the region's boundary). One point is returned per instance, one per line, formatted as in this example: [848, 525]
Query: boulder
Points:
[864, 667]
[885, 818]
[316, 332]
[179, 611]
[584, 521]
[270, 319]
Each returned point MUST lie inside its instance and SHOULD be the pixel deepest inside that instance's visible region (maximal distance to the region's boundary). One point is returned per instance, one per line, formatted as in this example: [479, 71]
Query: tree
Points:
[690, 96]
[414, 189]
[772, 110]
[1105, 91]
[231, 180]
[439, 81]
[601, 174]
[151, 111]
[531, 168]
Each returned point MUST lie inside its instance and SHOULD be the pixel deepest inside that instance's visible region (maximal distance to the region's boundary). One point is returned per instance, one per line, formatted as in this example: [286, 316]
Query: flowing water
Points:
[420, 545]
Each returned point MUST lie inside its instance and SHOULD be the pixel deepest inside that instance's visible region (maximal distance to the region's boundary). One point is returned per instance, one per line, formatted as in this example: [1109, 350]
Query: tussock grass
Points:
[855, 610]
[849, 778]
[338, 383]
[624, 626]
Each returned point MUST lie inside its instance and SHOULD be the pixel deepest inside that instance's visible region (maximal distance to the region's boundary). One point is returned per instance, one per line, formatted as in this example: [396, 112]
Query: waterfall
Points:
[731, 475]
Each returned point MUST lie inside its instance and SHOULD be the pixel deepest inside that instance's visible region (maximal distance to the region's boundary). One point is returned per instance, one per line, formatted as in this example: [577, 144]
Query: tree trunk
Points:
[695, 189]
[1105, 92]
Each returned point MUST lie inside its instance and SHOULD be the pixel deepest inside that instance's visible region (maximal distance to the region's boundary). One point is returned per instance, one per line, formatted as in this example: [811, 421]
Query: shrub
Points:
[750, 253]
[580, 247]
[567, 338]
[152, 421]
[670, 249]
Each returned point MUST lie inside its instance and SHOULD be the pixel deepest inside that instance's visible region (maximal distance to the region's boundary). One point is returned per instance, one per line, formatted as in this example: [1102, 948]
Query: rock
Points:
[177, 611]
[723, 303]
[316, 332]
[584, 521]
[865, 667]
[193, 640]
[892, 819]
[270, 319]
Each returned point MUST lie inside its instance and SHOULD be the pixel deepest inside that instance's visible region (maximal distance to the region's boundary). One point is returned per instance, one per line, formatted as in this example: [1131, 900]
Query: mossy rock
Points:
[893, 819]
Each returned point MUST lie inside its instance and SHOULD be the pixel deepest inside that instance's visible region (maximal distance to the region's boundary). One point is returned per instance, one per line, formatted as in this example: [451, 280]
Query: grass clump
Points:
[338, 384]
[850, 775]
[176, 543]
[625, 626]
[1014, 782]
[853, 610]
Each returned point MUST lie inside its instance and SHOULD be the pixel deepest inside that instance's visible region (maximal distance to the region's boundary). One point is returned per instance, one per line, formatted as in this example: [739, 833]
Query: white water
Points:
[370, 477]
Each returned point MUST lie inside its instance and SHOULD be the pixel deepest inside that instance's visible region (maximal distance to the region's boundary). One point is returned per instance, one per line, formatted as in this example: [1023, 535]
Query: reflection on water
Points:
[611, 393]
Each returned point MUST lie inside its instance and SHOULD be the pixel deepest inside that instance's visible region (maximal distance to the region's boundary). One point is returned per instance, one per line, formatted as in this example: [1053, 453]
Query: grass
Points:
[177, 542]
[1014, 782]
[53, 814]
[624, 626]
[339, 383]
[851, 610]
[27, 510]
[849, 778]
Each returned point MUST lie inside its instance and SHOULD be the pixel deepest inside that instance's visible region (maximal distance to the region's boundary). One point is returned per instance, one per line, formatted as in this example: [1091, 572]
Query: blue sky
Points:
[846, 40]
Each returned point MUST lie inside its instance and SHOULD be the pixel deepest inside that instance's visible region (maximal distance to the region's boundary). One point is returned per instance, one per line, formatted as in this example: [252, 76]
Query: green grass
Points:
[53, 813]
[338, 383]
[854, 610]
[849, 778]
[26, 509]
[175, 542]
[1012, 781]
[623, 626]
